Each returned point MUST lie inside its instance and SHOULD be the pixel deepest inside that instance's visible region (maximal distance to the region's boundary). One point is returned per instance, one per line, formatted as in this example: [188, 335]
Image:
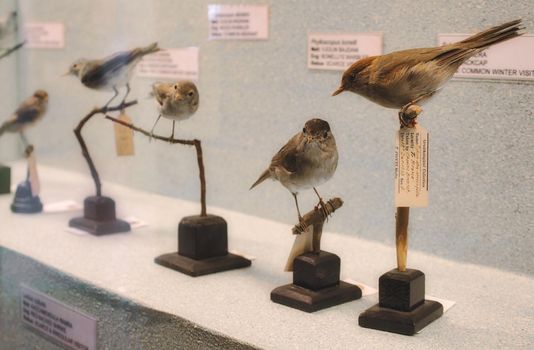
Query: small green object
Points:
[5, 179]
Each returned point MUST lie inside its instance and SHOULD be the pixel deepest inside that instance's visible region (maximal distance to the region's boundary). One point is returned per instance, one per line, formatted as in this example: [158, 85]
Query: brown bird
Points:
[30, 111]
[403, 78]
[307, 160]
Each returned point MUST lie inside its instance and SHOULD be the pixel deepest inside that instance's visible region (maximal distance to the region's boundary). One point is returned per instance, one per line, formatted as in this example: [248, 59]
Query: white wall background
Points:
[256, 94]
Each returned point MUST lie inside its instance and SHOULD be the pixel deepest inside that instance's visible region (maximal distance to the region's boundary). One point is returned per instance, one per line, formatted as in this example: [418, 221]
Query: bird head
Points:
[317, 131]
[186, 92]
[76, 68]
[41, 94]
[355, 76]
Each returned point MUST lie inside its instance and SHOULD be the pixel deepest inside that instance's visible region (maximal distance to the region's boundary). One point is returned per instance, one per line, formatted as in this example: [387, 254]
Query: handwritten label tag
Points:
[411, 167]
[44, 35]
[56, 320]
[510, 60]
[124, 137]
[172, 64]
[331, 51]
[238, 22]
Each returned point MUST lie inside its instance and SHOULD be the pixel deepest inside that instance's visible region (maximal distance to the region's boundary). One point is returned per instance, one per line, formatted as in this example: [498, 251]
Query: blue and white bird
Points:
[112, 72]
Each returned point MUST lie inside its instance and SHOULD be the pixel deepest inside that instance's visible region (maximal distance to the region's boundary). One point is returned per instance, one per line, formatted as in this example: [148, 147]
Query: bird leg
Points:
[408, 114]
[324, 208]
[116, 94]
[153, 127]
[24, 140]
[301, 226]
[127, 92]
[410, 111]
[172, 135]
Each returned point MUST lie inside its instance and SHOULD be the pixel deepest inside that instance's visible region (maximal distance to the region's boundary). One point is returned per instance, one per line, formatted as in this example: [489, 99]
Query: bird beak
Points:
[65, 74]
[338, 91]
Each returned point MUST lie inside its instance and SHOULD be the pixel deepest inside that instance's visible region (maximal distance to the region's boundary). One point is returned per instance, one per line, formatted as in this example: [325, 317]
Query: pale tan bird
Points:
[176, 101]
[112, 72]
[403, 78]
[307, 160]
[30, 111]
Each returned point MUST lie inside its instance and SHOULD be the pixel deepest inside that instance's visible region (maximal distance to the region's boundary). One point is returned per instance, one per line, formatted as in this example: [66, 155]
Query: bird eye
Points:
[175, 87]
[304, 130]
[75, 66]
[190, 93]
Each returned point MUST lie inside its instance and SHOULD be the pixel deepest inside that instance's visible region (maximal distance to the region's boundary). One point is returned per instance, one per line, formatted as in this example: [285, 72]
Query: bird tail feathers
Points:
[150, 49]
[495, 35]
[4, 127]
[264, 176]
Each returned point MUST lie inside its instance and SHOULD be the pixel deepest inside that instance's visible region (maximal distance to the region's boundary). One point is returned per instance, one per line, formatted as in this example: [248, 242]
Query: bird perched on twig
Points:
[307, 160]
[112, 72]
[403, 78]
[176, 101]
[29, 112]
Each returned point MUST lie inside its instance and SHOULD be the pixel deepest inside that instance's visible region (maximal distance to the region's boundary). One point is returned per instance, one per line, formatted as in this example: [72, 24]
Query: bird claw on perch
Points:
[408, 115]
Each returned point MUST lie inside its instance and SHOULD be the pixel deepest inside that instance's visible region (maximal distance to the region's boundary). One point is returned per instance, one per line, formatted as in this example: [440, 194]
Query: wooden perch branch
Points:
[171, 140]
[85, 151]
[12, 49]
[317, 217]
[401, 236]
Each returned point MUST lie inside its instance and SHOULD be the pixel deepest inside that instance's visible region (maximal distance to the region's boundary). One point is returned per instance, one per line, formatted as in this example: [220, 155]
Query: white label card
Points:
[44, 35]
[57, 320]
[510, 60]
[331, 51]
[171, 64]
[238, 22]
[411, 167]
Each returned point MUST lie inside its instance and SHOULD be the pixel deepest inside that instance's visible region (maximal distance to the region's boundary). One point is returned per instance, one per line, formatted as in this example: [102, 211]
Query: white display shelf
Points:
[494, 308]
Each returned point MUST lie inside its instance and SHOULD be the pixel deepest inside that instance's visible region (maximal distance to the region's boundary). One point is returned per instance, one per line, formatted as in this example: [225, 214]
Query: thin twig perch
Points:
[12, 49]
[317, 217]
[172, 140]
[85, 151]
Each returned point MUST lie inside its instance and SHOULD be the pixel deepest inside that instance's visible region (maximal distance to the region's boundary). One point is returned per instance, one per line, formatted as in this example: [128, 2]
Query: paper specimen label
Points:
[54, 319]
[411, 167]
[238, 22]
[171, 64]
[124, 137]
[510, 60]
[337, 51]
[44, 35]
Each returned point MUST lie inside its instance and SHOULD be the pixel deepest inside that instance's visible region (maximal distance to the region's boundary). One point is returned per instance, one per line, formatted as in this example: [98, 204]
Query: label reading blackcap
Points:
[411, 167]
[124, 137]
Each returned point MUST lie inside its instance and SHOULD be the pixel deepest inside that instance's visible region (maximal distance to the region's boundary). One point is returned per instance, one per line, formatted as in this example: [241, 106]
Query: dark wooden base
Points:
[99, 217]
[201, 267]
[24, 202]
[309, 300]
[5, 179]
[402, 322]
[100, 228]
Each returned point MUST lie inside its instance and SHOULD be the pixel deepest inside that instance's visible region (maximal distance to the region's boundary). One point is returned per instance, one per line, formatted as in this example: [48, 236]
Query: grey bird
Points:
[176, 101]
[403, 78]
[307, 160]
[28, 113]
[112, 72]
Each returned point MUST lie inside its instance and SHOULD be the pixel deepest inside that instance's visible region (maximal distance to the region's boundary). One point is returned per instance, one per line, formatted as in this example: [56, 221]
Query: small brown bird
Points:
[403, 78]
[29, 112]
[176, 101]
[307, 160]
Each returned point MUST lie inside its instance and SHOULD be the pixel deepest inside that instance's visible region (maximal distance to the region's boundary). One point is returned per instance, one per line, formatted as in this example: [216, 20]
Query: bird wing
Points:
[288, 156]
[108, 66]
[28, 112]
